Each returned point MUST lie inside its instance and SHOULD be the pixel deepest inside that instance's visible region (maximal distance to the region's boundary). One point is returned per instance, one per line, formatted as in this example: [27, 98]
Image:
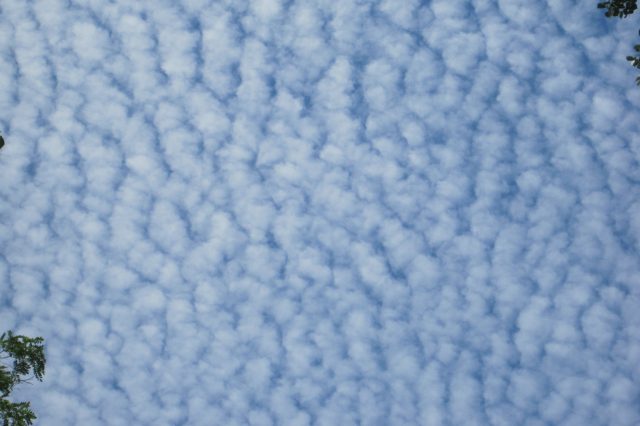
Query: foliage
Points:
[27, 357]
[635, 61]
[622, 9]
[619, 8]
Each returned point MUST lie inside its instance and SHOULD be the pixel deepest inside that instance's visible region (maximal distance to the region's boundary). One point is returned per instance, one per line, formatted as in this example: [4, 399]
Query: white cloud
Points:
[321, 213]
[90, 42]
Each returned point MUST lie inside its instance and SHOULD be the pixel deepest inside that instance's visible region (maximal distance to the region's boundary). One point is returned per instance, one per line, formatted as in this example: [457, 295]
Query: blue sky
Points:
[322, 213]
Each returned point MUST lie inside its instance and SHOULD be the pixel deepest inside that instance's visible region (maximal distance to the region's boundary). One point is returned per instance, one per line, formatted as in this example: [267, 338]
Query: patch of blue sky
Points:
[317, 212]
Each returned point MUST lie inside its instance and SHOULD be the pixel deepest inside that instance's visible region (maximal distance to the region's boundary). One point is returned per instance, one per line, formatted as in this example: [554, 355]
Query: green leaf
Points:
[28, 358]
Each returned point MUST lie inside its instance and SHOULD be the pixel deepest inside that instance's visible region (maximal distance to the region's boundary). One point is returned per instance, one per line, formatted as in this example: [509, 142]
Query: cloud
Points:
[312, 213]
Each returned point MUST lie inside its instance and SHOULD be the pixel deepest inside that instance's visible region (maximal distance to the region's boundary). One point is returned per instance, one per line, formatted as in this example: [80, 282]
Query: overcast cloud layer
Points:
[270, 212]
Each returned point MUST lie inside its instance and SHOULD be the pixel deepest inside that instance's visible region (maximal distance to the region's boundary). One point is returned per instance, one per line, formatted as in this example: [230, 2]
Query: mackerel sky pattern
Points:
[321, 212]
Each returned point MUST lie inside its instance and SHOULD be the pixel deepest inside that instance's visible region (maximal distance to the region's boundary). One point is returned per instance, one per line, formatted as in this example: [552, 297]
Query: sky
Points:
[320, 212]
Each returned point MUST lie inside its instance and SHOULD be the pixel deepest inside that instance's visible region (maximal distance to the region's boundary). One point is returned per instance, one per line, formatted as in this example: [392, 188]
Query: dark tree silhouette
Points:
[619, 8]
[26, 356]
[622, 9]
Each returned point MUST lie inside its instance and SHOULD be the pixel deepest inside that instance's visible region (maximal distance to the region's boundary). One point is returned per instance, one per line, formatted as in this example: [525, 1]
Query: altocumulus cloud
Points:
[322, 213]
